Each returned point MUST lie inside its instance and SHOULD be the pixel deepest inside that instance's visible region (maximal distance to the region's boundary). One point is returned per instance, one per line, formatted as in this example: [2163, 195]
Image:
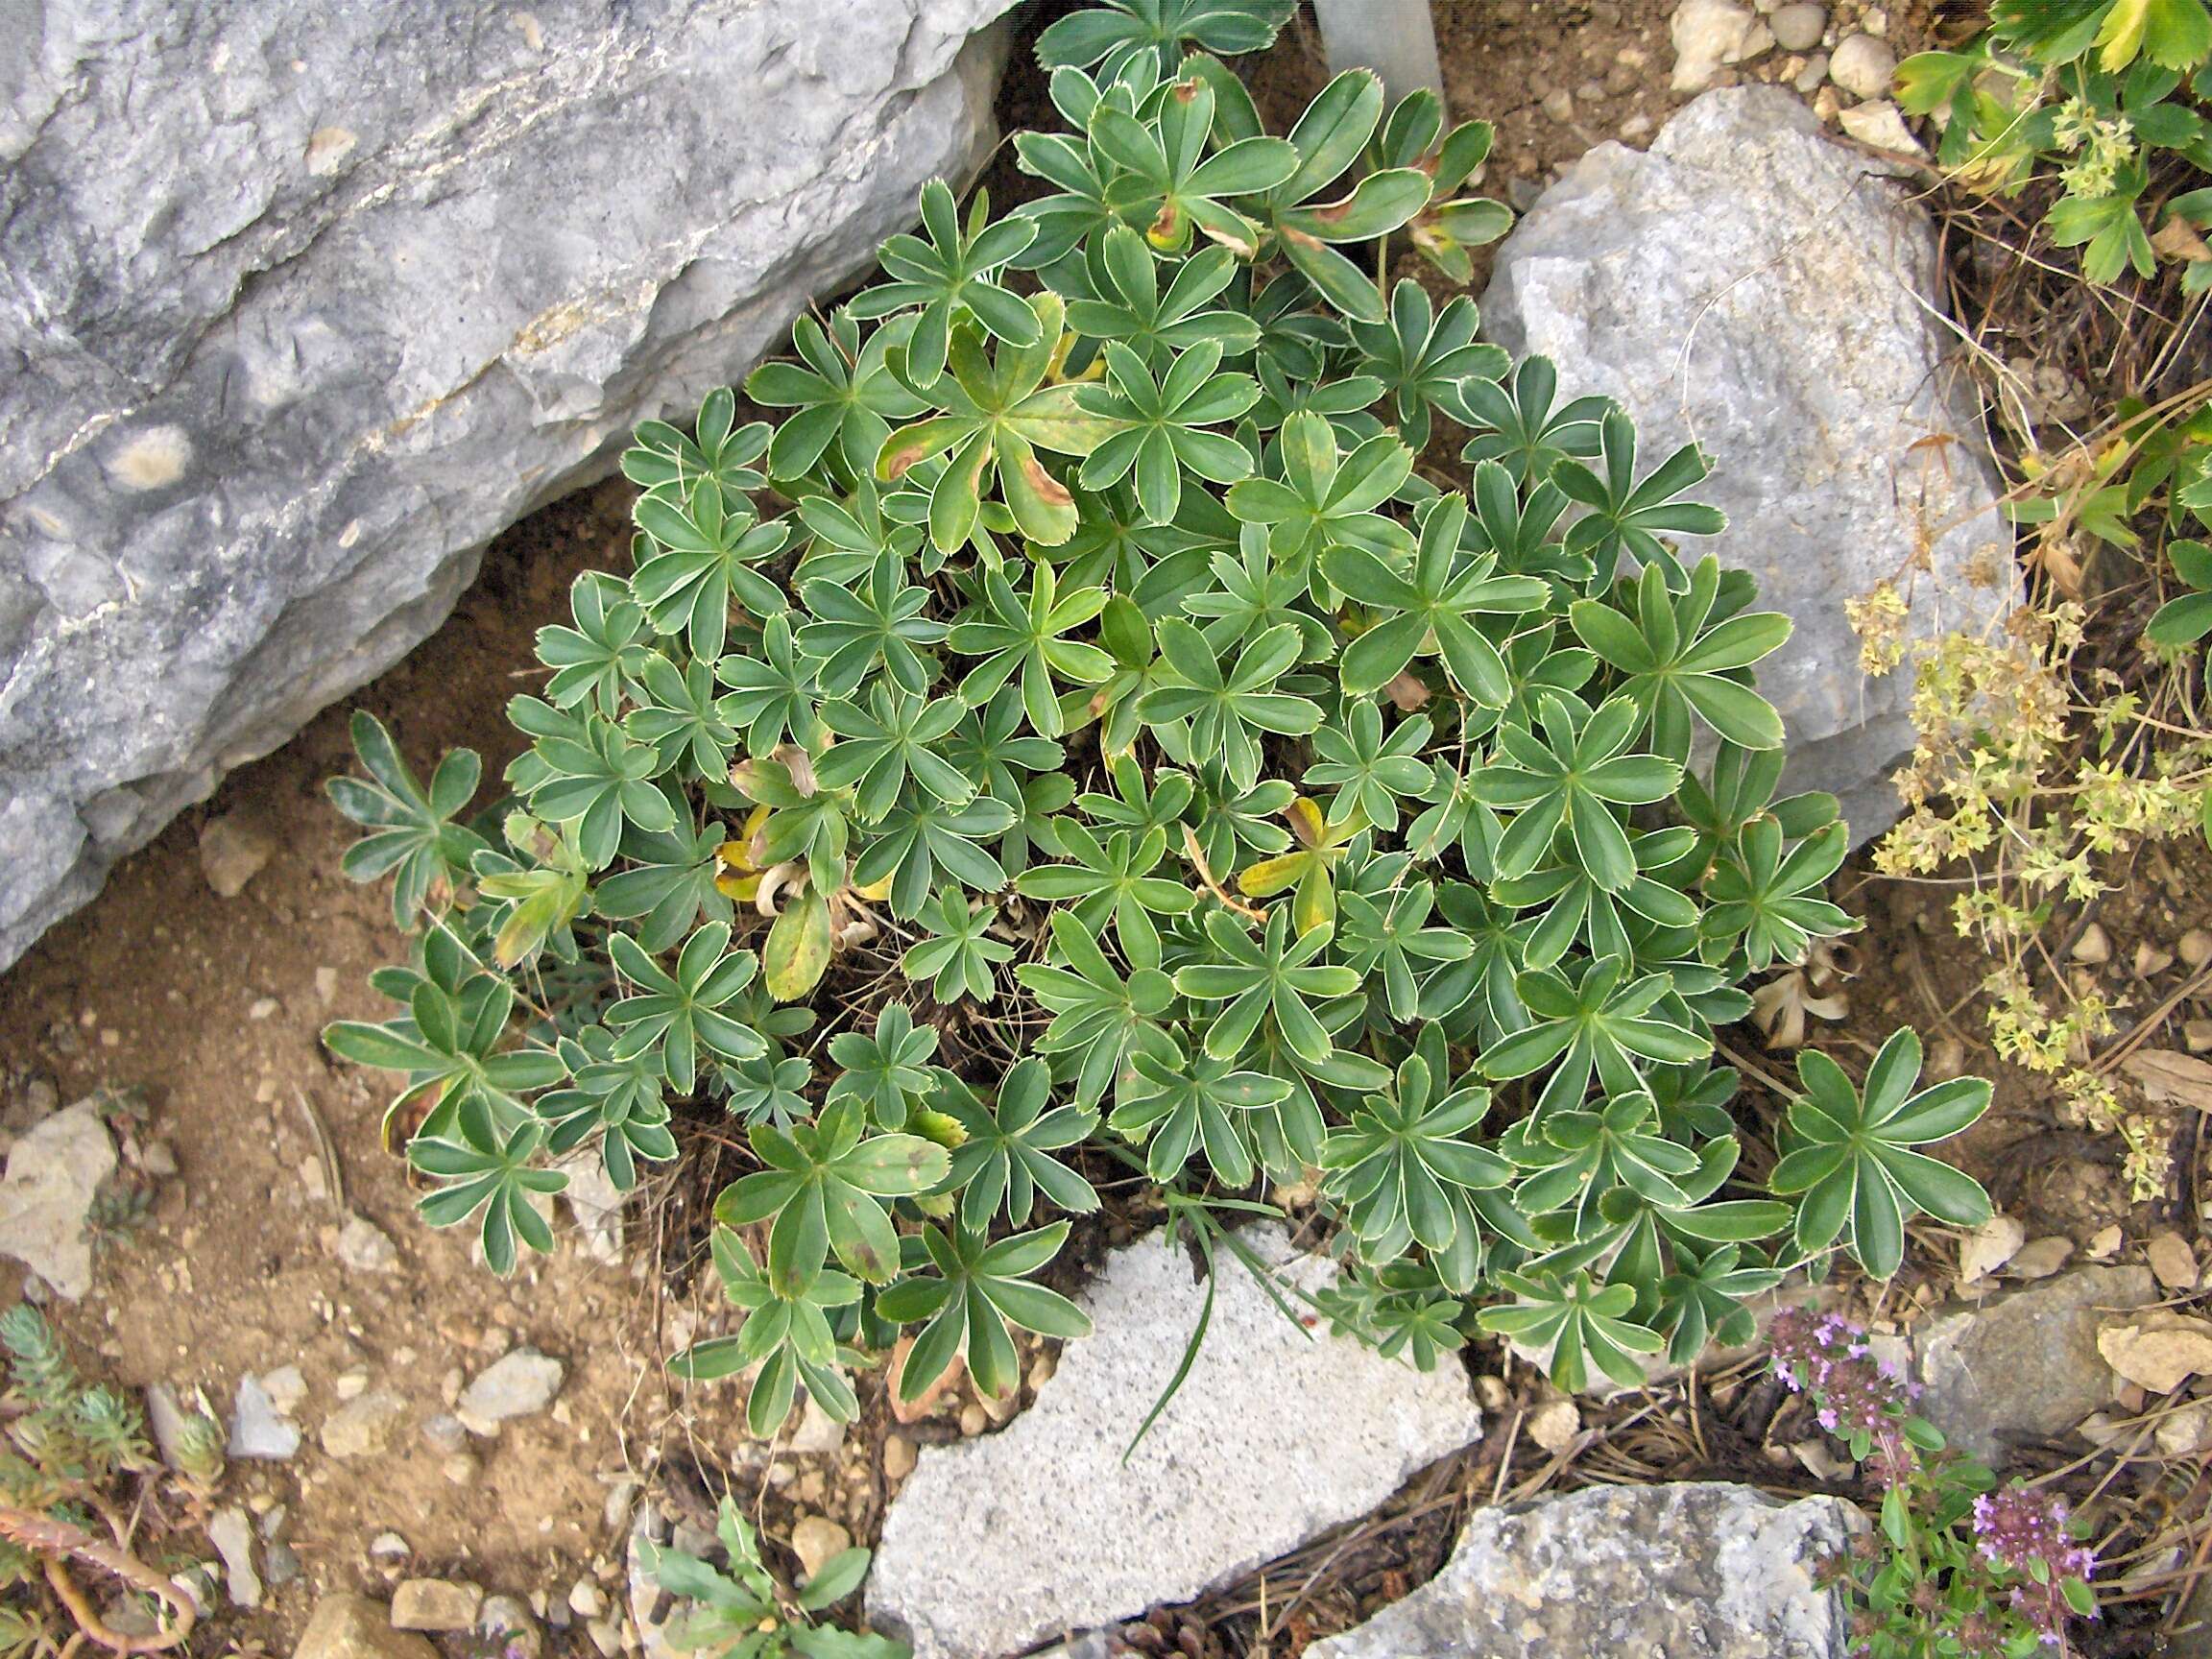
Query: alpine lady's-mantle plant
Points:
[1077, 736]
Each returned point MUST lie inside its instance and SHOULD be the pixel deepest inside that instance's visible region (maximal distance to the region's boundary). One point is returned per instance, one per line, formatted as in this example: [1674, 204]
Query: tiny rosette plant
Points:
[1083, 723]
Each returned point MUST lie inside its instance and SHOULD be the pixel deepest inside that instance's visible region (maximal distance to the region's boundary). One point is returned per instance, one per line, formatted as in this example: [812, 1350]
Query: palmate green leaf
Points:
[1517, 424]
[1567, 781]
[1851, 1154]
[1705, 1300]
[411, 835]
[1569, 909]
[921, 836]
[1627, 514]
[1128, 305]
[1476, 996]
[1101, 1020]
[1370, 772]
[1388, 940]
[1159, 435]
[1228, 708]
[1767, 904]
[1111, 879]
[1421, 356]
[872, 626]
[1575, 1158]
[843, 389]
[588, 774]
[1669, 657]
[682, 1012]
[766, 1089]
[1325, 498]
[1169, 186]
[1120, 29]
[602, 653]
[624, 1100]
[1272, 981]
[716, 448]
[786, 1334]
[1432, 610]
[822, 1190]
[1006, 1161]
[979, 1294]
[492, 1178]
[446, 1042]
[1252, 593]
[1181, 1104]
[998, 413]
[1233, 820]
[773, 692]
[679, 714]
[1588, 1019]
[953, 274]
[1737, 792]
[701, 550]
[1404, 1164]
[886, 1071]
[1021, 640]
[1579, 1323]
[897, 738]
[958, 957]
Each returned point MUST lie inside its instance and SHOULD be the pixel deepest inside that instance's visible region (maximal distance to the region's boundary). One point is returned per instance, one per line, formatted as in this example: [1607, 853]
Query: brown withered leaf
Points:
[1407, 690]
[2159, 1352]
[913, 1411]
[1780, 1006]
[2178, 239]
[2169, 1076]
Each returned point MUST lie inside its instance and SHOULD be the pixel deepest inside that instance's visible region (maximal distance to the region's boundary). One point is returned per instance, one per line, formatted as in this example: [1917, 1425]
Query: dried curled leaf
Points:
[2169, 1076]
[2158, 1353]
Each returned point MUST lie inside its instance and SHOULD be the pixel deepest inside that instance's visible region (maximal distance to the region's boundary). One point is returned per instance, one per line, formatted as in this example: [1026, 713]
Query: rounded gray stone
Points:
[1747, 285]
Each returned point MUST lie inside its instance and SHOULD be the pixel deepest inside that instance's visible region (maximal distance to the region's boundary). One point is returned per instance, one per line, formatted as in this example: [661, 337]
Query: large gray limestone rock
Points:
[1749, 285]
[1277, 1434]
[301, 303]
[1686, 1572]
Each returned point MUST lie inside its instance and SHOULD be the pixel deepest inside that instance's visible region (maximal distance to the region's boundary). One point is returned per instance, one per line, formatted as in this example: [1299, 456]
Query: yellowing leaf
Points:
[798, 949]
[1315, 905]
[1272, 876]
[2121, 35]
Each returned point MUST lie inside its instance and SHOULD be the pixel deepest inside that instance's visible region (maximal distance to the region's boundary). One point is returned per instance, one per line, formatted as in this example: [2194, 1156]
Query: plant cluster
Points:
[739, 1612]
[1237, 801]
[1959, 1564]
[2039, 770]
[2093, 92]
[70, 1449]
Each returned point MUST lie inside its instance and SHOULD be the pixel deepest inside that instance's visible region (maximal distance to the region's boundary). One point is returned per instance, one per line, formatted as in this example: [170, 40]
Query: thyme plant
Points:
[1076, 737]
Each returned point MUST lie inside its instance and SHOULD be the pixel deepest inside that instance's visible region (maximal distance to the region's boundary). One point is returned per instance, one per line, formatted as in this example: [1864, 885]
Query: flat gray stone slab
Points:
[2024, 1365]
[1696, 1571]
[1278, 1433]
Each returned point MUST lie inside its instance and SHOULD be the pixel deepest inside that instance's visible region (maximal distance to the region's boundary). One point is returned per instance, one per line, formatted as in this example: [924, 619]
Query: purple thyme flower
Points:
[2024, 1528]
